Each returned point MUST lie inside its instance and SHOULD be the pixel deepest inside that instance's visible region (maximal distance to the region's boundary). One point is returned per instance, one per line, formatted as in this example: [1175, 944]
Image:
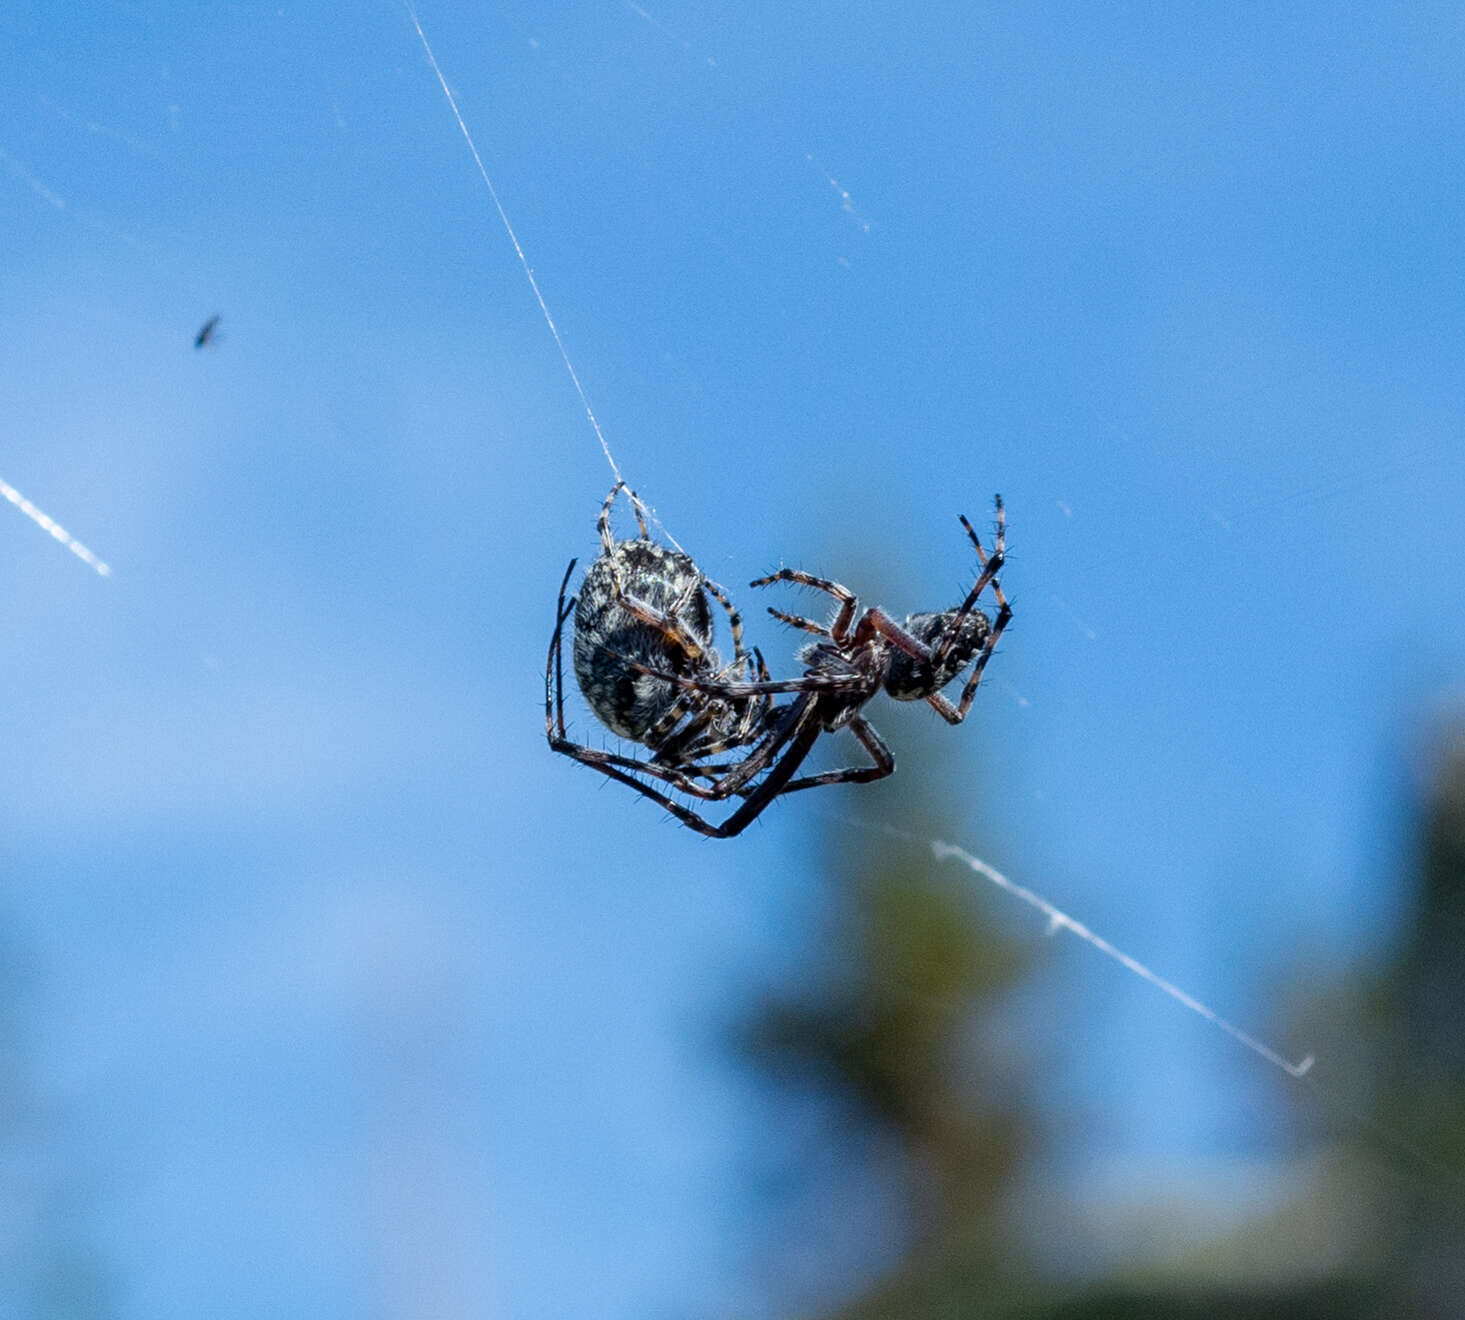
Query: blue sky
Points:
[345, 989]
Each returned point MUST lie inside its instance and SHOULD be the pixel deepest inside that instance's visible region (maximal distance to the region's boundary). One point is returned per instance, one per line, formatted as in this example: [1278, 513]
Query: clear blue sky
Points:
[343, 991]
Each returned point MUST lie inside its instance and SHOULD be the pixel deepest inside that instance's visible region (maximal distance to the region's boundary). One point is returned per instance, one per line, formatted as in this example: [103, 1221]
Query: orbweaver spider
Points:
[642, 625]
[627, 640]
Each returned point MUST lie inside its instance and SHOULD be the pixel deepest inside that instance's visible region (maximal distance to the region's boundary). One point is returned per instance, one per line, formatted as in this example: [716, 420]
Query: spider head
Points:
[954, 640]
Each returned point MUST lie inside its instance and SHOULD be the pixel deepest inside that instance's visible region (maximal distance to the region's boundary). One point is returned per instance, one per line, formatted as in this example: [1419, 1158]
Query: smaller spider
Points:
[909, 661]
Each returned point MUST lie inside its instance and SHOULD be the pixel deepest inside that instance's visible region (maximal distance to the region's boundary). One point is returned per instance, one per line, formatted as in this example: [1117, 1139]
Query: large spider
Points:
[912, 661]
[643, 625]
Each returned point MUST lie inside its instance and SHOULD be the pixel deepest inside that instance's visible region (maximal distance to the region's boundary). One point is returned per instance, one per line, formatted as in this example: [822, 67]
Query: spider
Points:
[861, 656]
[910, 662]
[642, 625]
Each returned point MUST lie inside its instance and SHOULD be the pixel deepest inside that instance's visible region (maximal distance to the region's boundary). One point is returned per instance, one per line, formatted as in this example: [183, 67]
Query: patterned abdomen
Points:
[607, 634]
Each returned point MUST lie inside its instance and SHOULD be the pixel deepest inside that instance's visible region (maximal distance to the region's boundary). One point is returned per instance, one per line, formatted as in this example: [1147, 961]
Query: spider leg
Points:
[848, 603]
[756, 710]
[734, 619]
[876, 620]
[740, 736]
[872, 742]
[667, 624]
[682, 774]
[796, 621]
[607, 539]
[685, 780]
[955, 714]
[554, 673]
[776, 736]
[737, 691]
[585, 755]
[991, 565]
[661, 730]
[693, 740]
[999, 549]
[797, 732]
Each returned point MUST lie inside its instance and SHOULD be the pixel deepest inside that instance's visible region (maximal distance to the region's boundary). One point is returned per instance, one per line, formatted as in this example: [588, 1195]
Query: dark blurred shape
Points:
[887, 1041]
[207, 335]
[1330, 1301]
[1420, 1009]
[907, 1101]
[911, 1128]
[49, 1269]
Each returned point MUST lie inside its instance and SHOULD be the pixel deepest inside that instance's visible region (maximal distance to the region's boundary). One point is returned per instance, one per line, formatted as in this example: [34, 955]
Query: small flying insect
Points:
[208, 334]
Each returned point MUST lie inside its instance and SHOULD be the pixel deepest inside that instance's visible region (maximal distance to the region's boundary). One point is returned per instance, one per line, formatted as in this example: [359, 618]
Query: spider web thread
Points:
[48, 524]
[1060, 920]
[514, 239]
[529, 272]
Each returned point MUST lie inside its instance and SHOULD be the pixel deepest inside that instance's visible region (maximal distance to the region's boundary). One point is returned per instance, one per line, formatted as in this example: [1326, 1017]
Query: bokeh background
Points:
[328, 991]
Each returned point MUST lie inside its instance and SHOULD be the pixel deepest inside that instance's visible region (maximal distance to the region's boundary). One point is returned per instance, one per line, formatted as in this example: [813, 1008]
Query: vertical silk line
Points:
[49, 524]
[514, 239]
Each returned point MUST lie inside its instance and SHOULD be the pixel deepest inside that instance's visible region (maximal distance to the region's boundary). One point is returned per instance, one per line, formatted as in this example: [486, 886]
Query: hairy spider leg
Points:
[872, 742]
[798, 621]
[734, 619]
[797, 732]
[817, 683]
[693, 742]
[691, 748]
[817, 686]
[668, 623]
[607, 540]
[755, 712]
[848, 602]
[955, 714]
[990, 568]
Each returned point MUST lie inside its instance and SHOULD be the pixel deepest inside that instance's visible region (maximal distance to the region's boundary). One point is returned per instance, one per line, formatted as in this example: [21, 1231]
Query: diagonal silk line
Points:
[50, 525]
[1058, 920]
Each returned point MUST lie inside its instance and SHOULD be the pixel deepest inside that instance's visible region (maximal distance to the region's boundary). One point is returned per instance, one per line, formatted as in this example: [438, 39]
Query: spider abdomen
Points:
[910, 679]
[610, 640]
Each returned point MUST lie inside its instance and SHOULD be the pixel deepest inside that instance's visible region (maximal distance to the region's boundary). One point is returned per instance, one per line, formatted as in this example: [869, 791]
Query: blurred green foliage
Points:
[885, 1033]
